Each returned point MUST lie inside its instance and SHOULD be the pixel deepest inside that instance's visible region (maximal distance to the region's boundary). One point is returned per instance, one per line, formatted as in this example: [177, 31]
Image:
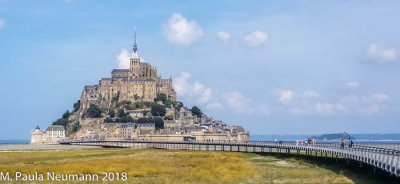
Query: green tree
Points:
[115, 98]
[108, 120]
[76, 127]
[61, 121]
[77, 105]
[121, 113]
[159, 123]
[111, 113]
[125, 119]
[161, 97]
[158, 110]
[93, 111]
[196, 111]
[143, 120]
[66, 115]
[178, 105]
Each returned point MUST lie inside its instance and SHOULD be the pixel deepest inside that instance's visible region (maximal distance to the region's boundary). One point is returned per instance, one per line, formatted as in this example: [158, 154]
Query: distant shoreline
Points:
[12, 141]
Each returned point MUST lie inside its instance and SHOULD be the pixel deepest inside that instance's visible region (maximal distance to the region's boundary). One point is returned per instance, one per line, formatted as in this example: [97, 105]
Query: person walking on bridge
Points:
[351, 143]
[342, 143]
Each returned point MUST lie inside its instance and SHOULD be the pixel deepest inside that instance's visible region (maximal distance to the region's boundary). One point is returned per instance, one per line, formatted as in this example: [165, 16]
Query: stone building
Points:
[52, 135]
[139, 82]
[135, 114]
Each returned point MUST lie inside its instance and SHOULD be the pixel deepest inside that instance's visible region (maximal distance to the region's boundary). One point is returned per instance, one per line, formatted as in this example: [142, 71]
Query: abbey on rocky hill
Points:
[137, 104]
[139, 82]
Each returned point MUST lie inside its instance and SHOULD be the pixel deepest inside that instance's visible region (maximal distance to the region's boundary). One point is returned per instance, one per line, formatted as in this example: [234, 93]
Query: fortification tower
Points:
[134, 67]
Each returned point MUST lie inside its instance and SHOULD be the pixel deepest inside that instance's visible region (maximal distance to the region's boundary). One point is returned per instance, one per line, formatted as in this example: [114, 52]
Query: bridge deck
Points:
[379, 157]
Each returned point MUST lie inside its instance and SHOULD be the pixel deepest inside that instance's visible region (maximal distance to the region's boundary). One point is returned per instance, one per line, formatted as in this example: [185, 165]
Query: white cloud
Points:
[352, 85]
[235, 100]
[382, 53]
[239, 103]
[310, 102]
[195, 92]
[180, 31]
[123, 59]
[256, 38]
[224, 36]
[199, 94]
[181, 84]
[2, 23]
[285, 96]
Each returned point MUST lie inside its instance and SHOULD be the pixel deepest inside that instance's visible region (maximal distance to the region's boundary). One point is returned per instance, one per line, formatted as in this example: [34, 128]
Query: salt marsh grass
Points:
[168, 166]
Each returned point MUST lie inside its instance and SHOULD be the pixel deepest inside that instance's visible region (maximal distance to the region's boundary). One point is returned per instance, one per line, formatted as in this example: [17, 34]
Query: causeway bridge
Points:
[386, 159]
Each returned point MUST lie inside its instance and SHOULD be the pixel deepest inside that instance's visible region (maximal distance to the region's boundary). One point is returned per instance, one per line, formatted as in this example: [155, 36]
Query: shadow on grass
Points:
[359, 174]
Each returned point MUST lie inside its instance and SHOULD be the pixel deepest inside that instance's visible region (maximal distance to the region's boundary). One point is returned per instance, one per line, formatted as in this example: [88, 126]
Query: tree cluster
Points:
[196, 111]
[93, 111]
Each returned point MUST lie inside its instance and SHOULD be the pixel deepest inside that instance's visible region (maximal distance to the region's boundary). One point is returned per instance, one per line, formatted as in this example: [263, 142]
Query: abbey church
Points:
[139, 82]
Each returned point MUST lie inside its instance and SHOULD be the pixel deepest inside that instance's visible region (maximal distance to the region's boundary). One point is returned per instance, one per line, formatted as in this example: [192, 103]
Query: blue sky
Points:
[275, 67]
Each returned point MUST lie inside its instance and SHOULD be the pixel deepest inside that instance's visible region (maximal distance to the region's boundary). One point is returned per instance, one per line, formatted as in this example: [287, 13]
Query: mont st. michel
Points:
[136, 104]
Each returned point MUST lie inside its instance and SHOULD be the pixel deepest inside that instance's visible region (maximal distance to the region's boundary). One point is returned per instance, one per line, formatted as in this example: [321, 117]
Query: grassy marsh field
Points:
[168, 166]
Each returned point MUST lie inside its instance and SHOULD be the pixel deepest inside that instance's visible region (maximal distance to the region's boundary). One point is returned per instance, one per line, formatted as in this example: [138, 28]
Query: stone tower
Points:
[134, 67]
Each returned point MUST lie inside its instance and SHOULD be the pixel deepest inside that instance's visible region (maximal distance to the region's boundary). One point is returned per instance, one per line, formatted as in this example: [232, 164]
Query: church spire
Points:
[135, 54]
[134, 44]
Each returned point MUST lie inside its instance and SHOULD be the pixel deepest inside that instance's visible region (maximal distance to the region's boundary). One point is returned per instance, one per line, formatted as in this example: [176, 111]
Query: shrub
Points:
[144, 120]
[76, 127]
[93, 111]
[115, 98]
[158, 110]
[108, 120]
[66, 115]
[170, 117]
[125, 119]
[111, 113]
[160, 97]
[121, 113]
[77, 105]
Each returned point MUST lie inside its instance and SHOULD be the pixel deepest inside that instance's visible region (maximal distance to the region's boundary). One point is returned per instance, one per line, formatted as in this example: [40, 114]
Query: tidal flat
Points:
[171, 166]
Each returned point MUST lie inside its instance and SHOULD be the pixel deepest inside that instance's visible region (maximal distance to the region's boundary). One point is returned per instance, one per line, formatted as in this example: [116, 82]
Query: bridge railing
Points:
[282, 144]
